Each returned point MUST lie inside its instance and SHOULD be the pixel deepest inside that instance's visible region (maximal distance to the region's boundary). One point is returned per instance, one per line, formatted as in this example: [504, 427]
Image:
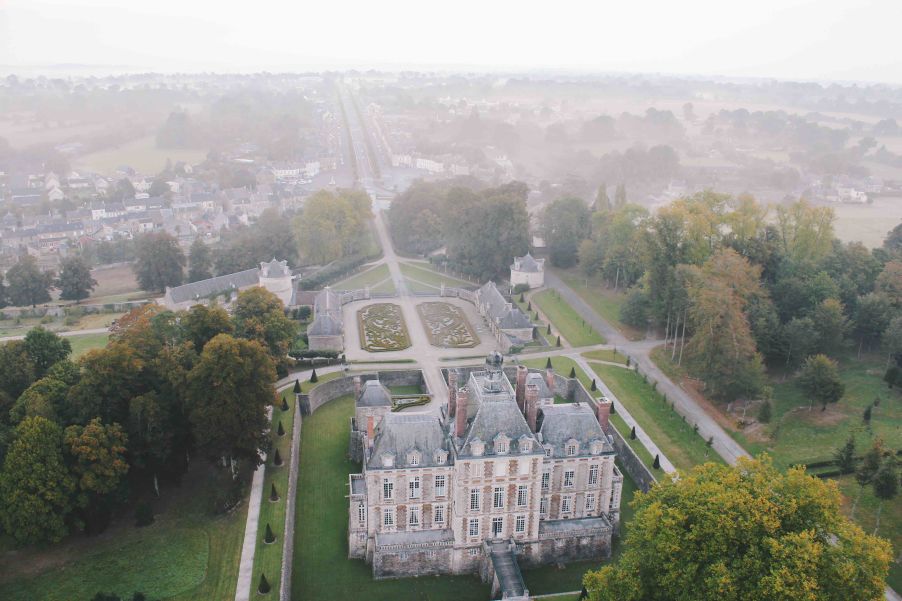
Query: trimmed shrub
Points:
[284, 408]
[264, 587]
[558, 341]
[548, 330]
[594, 386]
[280, 430]
[633, 433]
[657, 462]
[269, 538]
[313, 377]
[297, 386]
[273, 494]
[572, 373]
[548, 363]
[277, 458]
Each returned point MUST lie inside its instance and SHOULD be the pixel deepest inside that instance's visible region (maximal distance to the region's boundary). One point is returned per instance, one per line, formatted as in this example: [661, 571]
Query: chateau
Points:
[500, 478]
[273, 275]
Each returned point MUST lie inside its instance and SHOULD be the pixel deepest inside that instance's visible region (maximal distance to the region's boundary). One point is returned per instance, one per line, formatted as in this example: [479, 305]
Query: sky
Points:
[841, 40]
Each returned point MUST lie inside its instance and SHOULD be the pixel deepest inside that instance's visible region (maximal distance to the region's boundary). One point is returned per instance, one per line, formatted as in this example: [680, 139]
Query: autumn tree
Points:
[202, 323]
[228, 391]
[806, 231]
[36, 488]
[75, 281]
[332, 226]
[200, 261]
[259, 315]
[97, 461]
[159, 262]
[743, 532]
[27, 285]
[819, 378]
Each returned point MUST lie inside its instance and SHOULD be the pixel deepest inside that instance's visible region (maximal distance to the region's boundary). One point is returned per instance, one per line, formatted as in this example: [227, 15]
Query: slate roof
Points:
[539, 380]
[214, 286]
[374, 394]
[499, 310]
[325, 324]
[275, 269]
[400, 433]
[527, 263]
[561, 423]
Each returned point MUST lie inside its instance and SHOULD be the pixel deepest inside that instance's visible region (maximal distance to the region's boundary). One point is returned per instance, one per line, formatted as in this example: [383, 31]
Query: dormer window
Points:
[477, 448]
[525, 444]
[548, 450]
[441, 456]
[596, 447]
[388, 460]
[501, 444]
[572, 448]
[413, 458]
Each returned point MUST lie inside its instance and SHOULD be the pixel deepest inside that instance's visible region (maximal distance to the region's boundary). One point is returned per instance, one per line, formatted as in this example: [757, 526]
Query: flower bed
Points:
[382, 328]
[447, 326]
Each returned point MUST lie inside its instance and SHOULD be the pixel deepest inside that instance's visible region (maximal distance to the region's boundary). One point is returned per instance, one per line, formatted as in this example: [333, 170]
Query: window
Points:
[414, 487]
[413, 516]
[522, 495]
[361, 513]
[413, 458]
[439, 486]
[474, 499]
[501, 446]
[388, 517]
[593, 475]
[473, 529]
[498, 498]
[439, 514]
[497, 526]
[525, 445]
[543, 506]
[547, 451]
[473, 552]
[568, 478]
[546, 480]
[566, 504]
[590, 502]
[571, 450]
[520, 524]
[388, 489]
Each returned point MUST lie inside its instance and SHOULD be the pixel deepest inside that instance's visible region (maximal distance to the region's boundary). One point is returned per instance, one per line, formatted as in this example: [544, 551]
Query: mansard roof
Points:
[538, 379]
[275, 269]
[496, 416]
[325, 324]
[499, 310]
[527, 263]
[571, 421]
[374, 394]
[214, 286]
[398, 434]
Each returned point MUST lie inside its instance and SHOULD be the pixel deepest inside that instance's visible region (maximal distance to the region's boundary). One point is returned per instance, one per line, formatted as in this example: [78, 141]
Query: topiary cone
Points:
[276, 458]
[558, 342]
[264, 587]
[280, 430]
[297, 386]
[273, 495]
[657, 463]
[633, 433]
[269, 538]
[313, 378]
[572, 373]
[548, 331]
[593, 388]
[284, 404]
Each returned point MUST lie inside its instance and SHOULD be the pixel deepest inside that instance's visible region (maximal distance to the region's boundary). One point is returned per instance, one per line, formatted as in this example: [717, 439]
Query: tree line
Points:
[76, 435]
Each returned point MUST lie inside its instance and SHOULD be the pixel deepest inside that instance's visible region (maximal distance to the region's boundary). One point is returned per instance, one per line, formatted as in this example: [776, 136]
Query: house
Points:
[528, 271]
[274, 275]
[510, 326]
[326, 331]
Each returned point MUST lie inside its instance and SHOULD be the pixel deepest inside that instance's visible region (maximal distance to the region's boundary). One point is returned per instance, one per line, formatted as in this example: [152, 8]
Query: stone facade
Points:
[498, 472]
[529, 271]
[273, 275]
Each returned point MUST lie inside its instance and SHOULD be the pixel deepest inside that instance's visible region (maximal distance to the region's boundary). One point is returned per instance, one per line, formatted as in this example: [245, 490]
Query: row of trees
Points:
[482, 229]
[735, 290]
[26, 285]
[75, 434]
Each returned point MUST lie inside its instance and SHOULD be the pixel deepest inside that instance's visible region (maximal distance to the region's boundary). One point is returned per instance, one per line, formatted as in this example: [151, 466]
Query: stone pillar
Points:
[357, 385]
[603, 412]
[461, 418]
[532, 405]
[452, 392]
[522, 372]
[549, 379]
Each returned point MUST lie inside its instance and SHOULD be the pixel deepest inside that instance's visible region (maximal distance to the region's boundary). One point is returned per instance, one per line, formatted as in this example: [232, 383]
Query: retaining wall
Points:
[288, 532]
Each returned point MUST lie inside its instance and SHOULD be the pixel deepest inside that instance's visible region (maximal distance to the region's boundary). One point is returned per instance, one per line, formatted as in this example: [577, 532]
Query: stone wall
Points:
[343, 386]
[631, 463]
[411, 562]
[288, 533]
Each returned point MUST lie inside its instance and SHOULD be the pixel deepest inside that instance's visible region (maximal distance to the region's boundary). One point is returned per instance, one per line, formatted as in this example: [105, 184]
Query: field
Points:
[21, 325]
[422, 279]
[322, 569]
[605, 301]
[447, 326]
[565, 319]
[609, 355]
[186, 555]
[370, 277]
[114, 281]
[382, 328]
[140, 154]
[868, 223]
[268, 557]
[86, 342]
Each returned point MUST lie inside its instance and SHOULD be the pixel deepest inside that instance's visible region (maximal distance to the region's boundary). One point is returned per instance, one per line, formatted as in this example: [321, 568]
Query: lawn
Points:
[562, 366]
[141, 154]
[86, 342]
[268, 557]
[605, 301]
[670, 432]
[434, 279]
[609, 355]
[186, 555]
[322, 570]
[370, 277]
[565, 319]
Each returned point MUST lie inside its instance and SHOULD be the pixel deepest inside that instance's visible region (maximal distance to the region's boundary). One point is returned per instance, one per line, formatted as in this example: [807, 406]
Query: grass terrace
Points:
[609, 355]
[371, 277]
[420, 275]
[565, 319]
[606, 302]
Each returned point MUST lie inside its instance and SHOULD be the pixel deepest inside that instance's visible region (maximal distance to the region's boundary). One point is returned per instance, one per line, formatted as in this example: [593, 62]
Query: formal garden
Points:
[446, 325]
[382, 328]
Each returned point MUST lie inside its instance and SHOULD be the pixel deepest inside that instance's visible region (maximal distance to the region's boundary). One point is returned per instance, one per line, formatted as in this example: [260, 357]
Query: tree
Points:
[819, 378]
[831, 325]
[886, 484]
[98, 457]
[845, 456]
[264, 587]
[889, 283]
[602, 202]
[743, 532]
[633, 433]
[228, 391]
[332, 226]
[75, 281]
[806, 231]
[27, 285]
[868, 468]
[620, 196]
[159, 262]
[313, 378]
[269, 538]
[657, 462]
[892, 339]
[565, 224]
[111, 377]
[45, 349]
[35, 486]
[17, 372]
[202, 323]
[765, 413]
[200, 261]
[871, 319]
[259, 315]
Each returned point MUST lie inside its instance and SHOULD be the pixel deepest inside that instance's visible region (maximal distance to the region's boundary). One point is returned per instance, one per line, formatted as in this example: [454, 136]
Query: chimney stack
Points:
[356, 387]
[461, 417]
[549, 378]
[370, 430]
[522, 372]
[532, 405]
[603, 411]
[452, 392]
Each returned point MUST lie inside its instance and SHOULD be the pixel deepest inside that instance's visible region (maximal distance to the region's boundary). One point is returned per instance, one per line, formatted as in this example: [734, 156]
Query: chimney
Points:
[370, 430]
[356, 387]
[549, 378]
[461, 417]
[603, 411]
[532, 405]
[452, 392]
[522, 372]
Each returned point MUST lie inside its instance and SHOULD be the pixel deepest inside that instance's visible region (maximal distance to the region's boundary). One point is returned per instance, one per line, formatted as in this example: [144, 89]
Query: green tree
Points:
[332, 226]
[35, 486]
[831, 325]
[159, 262]
[17, 372]
[871, 319]
[75, 281]
[602, 203]
[800, 336]
[111, 377]
[806, 231]
[845, 456]
[45, 349]
[743, 532]
[97, 453]
[202, 323]
[620, 196]
[27, 284]
[819, 378]
[228, 391]
[200, 261]
[889, 283]
[565, 224]
[259, 315]
[886, 484]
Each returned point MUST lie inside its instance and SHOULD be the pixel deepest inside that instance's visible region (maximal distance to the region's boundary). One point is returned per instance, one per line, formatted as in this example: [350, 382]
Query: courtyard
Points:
[446, 325]
[382, 328]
